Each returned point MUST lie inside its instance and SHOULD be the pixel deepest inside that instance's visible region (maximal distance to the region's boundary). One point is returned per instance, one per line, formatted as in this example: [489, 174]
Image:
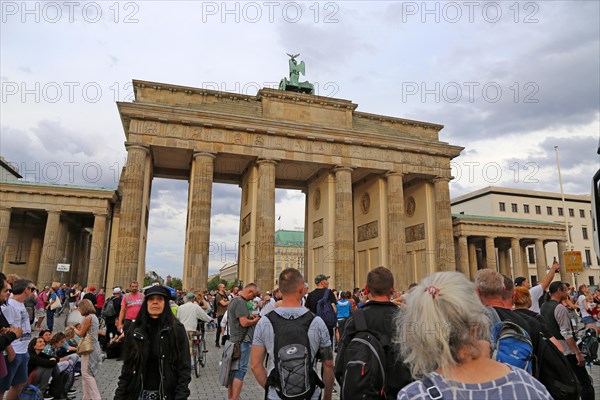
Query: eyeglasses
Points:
[32, 288]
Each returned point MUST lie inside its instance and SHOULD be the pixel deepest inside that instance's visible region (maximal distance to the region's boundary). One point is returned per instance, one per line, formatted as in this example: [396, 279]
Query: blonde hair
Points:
[86, 307]
[69, 332]
[443, 315]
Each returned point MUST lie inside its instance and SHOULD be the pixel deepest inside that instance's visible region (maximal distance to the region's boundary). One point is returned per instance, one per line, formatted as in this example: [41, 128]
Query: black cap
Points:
[519, 281]
[159, 290]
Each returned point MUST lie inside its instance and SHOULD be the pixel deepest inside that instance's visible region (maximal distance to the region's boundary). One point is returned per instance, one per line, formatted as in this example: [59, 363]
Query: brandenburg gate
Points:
[376, 186]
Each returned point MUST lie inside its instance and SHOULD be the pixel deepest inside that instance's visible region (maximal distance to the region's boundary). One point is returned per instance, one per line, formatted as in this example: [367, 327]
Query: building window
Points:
[502, 206]
[591, 278]
[571, 212]
[538, 210]
[582, 213]
[526, 208]
[531, 255]
[584, 232]
[560, 211]
[549, 210]
[588, 257]
[514, 207]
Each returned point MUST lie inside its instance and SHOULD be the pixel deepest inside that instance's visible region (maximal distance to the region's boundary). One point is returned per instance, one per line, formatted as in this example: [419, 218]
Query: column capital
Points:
[101, 214]
[137, 146]
[267, 161]
[342, 168]
[441, 179]
[53, 212]
[394, 173]
[204, 154]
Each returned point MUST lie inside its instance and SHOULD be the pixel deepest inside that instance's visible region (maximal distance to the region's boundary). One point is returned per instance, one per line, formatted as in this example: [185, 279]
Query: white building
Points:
[546, 207]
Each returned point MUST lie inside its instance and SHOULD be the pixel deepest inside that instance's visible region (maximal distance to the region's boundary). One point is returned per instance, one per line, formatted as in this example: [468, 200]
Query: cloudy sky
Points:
[508, 80]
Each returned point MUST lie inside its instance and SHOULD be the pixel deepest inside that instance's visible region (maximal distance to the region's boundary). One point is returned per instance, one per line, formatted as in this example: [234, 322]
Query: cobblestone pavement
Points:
[207, 387]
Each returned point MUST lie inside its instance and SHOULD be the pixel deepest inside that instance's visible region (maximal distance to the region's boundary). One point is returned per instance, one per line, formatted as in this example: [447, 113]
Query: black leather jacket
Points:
[174, 376]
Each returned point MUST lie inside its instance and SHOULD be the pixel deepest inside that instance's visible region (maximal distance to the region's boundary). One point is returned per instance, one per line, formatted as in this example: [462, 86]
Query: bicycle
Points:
[198, 352]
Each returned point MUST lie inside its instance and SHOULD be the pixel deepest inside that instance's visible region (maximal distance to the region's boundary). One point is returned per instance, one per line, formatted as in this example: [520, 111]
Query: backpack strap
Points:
[433, 391]
[326, 294]
[360, 323]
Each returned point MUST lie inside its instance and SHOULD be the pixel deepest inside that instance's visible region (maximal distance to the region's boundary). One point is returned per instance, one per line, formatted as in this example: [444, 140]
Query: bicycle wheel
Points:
[196, 354]
[203, 351]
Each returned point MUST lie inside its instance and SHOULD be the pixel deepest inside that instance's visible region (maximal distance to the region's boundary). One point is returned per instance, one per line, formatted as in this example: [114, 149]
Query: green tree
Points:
[214, 283]
[176, 283]
[232, 284]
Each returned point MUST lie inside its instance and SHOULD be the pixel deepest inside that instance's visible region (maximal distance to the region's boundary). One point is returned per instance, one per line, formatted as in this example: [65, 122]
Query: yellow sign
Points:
[573, 261]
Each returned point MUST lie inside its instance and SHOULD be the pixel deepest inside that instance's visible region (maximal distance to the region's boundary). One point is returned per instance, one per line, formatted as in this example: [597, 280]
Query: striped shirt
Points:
[517, 384]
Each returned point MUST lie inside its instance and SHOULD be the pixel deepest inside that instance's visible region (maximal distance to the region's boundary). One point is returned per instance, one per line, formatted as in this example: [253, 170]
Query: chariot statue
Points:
[294, 84]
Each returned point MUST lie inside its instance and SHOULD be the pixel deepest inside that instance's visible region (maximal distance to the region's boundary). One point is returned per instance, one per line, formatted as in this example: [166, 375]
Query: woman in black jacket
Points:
[157, 357]
[41, 367]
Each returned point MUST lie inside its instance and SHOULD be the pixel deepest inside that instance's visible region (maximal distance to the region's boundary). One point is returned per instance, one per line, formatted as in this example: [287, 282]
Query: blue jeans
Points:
[17, 372]
[246, 348]
[50, 319]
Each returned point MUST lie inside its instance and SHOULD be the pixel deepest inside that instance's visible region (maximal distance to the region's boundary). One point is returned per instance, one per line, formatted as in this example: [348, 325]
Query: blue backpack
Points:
[31, 392]
[512, 345]
[325, 310]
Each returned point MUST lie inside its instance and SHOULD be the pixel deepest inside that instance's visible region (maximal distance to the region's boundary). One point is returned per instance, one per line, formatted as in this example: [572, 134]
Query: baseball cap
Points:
[92, 288]
[117, 290]
[190, 296]
[519, 281]
[320, 278]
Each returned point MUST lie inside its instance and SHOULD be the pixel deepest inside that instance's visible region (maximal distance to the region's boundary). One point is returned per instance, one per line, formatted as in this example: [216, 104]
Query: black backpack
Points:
[553, 370]
[364, 363]
[293, 377]
[108, 309]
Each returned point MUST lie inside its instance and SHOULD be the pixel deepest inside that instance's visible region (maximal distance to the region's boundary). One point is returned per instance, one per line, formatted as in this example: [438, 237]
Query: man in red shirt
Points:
[100, 299]
[130, 306]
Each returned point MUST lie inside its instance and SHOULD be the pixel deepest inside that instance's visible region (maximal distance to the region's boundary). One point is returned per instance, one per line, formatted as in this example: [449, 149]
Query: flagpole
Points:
[562, 193]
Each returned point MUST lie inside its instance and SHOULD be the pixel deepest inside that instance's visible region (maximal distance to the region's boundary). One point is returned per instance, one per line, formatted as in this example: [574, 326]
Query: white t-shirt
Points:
[584, 312]
[536, 292]
[16, 315]
[189, 314]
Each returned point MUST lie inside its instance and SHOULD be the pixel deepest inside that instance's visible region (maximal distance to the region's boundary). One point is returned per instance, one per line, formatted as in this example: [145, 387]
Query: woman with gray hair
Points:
[444, 335]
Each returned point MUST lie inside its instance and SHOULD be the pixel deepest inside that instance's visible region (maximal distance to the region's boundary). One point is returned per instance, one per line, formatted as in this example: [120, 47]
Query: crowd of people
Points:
[439, 338]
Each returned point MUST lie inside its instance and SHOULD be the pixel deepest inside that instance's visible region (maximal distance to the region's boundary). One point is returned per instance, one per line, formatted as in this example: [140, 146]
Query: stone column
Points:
[49, 250]
[540, 259]
[444, 235]
[490, 253]
[503, 261]
[463, 251]
[196, 270]
[4, 227]
[396, 234]
[515, 249]
[524, 262]
[344, 228]
[472, 260]
[130, 223]
[96, 269]
[564, 275]
[265, 225]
